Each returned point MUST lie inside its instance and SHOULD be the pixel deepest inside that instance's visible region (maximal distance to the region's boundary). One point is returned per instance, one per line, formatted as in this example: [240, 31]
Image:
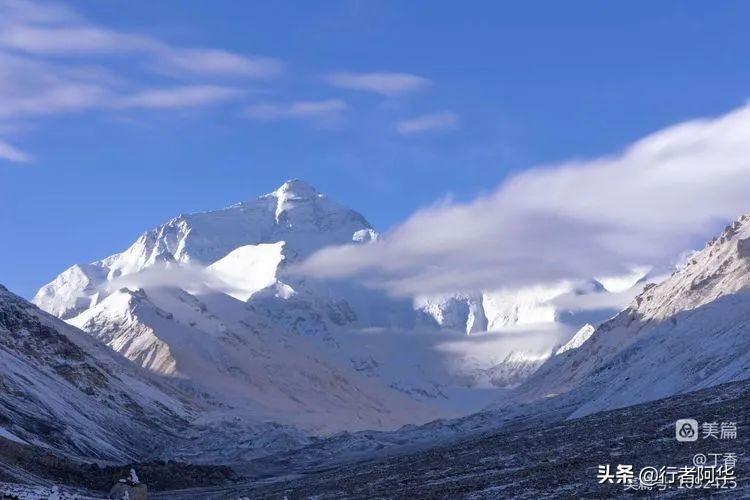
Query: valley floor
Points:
[554, 460]
[530, 457]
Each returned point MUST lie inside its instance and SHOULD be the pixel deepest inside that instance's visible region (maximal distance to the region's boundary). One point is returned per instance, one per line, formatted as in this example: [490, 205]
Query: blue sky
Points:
[117, 119]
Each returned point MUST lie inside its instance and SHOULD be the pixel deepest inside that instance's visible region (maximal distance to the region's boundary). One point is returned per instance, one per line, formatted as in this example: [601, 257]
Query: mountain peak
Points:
[295, 214]
[296, 189]
[289, 194]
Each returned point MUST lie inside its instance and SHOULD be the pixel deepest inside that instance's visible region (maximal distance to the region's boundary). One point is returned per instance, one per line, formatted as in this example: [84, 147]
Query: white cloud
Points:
[70, 40]
[178, 97]
[52, 62]
[54, 80]
[385, 83]
[220, 62]
[569, 221]
[11, 153]
[61, 33]
[300, 109]
[427, 123]
[29, 11]
[35, 88]
[31, 87]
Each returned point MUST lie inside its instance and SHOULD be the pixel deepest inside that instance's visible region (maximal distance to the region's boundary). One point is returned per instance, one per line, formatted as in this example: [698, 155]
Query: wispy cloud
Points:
[178, 97]
[569, 221]
[30, 87]
[53, 61]
[300, 109]
[62, 33]
[427, 123]
[10, 153]
[384, 83]
[36, 12]
[35, 88]
[220, 62]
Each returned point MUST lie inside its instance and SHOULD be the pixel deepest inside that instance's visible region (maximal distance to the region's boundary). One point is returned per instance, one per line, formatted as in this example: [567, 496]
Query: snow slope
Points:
[248, 269]
[215, 347]
[688, 332]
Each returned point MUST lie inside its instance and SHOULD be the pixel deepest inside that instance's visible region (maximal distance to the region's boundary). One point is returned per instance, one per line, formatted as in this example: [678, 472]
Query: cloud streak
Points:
[300, 109]
[60, 32]
[30, 87]
[38, 88]
[178, 97]
[53, 62]
[568, 221]
[427, 123]
[10, 153]
[384, 83]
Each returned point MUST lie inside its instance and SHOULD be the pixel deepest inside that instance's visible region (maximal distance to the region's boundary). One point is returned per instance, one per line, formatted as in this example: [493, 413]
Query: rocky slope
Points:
[688, 332]
[61, 389]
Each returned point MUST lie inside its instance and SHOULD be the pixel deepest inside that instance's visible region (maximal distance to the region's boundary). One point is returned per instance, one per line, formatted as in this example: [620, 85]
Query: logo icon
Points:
[686, 429]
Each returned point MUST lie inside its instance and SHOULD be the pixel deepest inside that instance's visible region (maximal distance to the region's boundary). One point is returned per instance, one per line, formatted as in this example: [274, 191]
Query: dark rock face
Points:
[26, 334]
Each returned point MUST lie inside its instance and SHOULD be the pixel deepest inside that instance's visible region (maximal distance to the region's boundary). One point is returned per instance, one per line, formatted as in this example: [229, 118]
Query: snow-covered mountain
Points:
[247, 359]
[566, 311]
[567, 302]
[204, 300]
[688, 332]
[207, 300]
[295, 214]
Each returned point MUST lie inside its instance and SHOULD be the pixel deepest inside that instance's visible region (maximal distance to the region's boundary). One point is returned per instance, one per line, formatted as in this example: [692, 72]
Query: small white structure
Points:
[129, 489]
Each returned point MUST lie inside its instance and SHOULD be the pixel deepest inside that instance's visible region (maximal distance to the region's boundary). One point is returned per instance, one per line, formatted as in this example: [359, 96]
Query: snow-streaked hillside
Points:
[688, 332]
[61, 389]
